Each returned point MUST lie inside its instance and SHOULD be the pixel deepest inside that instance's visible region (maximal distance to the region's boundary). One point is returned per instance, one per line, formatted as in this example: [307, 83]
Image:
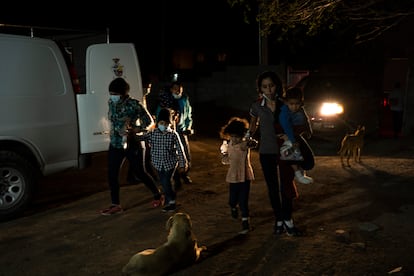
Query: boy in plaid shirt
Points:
[167, 155]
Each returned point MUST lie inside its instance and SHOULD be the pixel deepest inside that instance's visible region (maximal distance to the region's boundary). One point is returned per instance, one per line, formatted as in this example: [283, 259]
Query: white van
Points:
[45, 127]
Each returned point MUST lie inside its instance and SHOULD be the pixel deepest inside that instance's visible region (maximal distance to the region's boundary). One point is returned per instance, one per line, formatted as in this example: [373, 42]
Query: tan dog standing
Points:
[180, 250]
[352, 145]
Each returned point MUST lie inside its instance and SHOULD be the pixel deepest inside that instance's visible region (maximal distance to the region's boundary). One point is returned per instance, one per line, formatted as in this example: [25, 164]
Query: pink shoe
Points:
[112, 210]
[158, 202]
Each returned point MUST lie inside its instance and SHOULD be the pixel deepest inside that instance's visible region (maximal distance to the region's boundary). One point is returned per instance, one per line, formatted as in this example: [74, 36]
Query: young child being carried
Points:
[296, 126]
[236, 153]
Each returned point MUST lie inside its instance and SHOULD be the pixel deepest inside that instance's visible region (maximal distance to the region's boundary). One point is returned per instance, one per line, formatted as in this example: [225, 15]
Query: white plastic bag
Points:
[288, 152]
[224, 153]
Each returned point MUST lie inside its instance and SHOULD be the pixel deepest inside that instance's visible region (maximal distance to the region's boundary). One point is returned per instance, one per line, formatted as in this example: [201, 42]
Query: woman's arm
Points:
[253, 127]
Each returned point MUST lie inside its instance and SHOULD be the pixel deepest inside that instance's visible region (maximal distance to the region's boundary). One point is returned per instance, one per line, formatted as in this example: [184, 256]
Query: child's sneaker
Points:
[302, 179]
[278, 229]
[112, 210]
[245, 227]
[234, 213]
[169, 208]
[293, 231]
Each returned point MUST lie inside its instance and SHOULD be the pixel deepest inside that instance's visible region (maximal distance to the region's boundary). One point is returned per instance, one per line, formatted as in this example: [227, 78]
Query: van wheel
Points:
[17, 180]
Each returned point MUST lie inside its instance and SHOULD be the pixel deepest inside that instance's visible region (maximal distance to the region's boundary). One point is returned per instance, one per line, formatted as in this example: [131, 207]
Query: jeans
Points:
[115, 158]
[239, 195]
[165, 179]
[138, 154]
[280, 194]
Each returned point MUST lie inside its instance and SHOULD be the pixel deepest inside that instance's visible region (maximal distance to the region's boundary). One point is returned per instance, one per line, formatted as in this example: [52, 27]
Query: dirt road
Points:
[357, 221]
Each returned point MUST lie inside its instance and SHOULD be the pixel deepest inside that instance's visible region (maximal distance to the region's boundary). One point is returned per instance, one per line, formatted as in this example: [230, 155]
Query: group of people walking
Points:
[283, 126]
[156, 151]
[284, 153]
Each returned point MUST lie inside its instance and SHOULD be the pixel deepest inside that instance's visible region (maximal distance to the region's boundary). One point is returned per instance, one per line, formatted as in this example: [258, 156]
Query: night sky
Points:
[155, 26]
[159, 26]
[185, 21]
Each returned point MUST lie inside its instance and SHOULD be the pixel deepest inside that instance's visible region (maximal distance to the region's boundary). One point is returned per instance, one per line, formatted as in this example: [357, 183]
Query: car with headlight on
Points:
[327, 102]
[325, 115]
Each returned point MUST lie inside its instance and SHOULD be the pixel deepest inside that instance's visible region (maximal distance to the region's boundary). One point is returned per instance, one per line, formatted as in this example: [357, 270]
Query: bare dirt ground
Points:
[357, 221]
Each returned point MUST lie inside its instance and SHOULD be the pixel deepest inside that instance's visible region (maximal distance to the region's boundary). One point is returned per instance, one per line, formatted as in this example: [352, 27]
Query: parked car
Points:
[325, 115]
[327, 102]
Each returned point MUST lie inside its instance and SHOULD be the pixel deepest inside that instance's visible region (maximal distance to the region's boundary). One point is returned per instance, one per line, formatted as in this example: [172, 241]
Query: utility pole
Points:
[260, 44]
[163, 39]
[264, 50]
[263, 46]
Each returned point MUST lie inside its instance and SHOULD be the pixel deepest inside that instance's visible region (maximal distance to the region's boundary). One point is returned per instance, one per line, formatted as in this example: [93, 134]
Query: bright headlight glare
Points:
[329, 109]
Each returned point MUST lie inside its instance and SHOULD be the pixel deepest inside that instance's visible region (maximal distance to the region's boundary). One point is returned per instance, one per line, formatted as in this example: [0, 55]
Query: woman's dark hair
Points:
[176, 83]
[274, 77]
[235, 126]
[119, 86]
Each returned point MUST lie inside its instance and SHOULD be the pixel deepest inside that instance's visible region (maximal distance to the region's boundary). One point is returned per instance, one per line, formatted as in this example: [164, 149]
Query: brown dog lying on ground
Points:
[180, 250]
[351, 145]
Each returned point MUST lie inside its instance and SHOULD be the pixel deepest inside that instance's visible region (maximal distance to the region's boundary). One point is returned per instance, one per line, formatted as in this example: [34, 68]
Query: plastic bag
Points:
[289, 152]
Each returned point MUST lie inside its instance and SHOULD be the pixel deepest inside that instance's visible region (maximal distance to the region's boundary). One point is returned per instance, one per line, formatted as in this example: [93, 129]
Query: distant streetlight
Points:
[175, 77]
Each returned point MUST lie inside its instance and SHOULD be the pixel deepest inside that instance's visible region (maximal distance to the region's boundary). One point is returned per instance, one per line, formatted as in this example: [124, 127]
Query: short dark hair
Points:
[235, 126]
[119, 86]
[294, 93]
[176, 83]
[164, 115]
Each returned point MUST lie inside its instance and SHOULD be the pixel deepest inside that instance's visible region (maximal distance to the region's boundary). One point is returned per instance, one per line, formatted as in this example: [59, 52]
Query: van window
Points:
[30, 68]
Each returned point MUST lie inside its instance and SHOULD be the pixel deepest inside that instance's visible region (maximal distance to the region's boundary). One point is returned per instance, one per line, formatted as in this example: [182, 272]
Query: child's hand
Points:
[252, 143]
[225, 159]
[181, 169]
